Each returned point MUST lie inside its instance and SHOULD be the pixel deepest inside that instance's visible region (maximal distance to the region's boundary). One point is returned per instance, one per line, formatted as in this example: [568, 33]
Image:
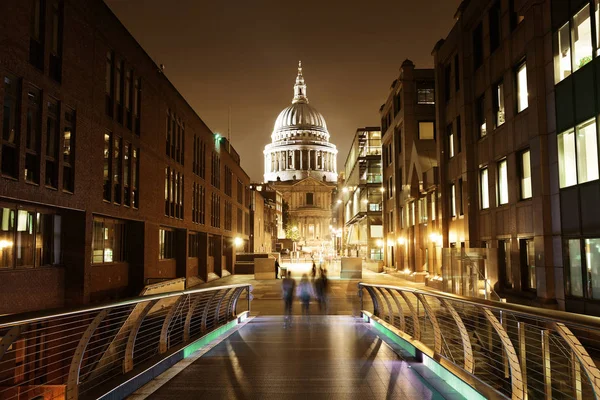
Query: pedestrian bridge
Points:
[205, 343]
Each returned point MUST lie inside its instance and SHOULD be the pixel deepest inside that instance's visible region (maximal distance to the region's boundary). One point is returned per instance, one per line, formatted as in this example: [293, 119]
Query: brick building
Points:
[109, 179]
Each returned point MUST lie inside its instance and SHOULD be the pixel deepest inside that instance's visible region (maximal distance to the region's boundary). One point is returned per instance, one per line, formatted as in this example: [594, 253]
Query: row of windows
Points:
[37, 36]
[418, 211]
[227, 216]
[125, 90]
[228, 181]
[121, 171]
[448, 78]
[425, 95]
[574, 43]
[502, 186]
[198, 203]
[29, 238]
[199, 164]
[215, 170]
[215, 211]
[174, 193]
[37, 159]
[175, 142]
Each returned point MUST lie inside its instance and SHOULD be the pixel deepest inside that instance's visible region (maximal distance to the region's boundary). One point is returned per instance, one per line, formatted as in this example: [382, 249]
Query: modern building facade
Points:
[300, 163]
[410, 174]
[362, 196]
[495, 111]
[110, 180]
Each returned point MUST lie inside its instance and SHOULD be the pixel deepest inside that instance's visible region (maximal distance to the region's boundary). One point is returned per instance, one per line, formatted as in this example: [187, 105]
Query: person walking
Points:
[313, 272]
[305, 292]
[288, 285]
[276, 269]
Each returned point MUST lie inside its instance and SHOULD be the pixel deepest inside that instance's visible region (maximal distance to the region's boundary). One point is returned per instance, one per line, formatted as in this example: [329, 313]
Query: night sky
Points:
[244, 55]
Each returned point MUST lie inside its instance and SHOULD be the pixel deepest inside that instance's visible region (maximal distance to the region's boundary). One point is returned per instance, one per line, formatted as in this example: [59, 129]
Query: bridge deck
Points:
[335, 357]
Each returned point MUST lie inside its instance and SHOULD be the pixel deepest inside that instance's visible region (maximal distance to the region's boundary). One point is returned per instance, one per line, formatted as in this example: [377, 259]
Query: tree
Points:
[285, 214]
[292, 232]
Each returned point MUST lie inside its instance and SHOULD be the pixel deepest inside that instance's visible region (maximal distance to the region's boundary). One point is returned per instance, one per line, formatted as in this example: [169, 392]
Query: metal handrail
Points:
[87, 351]
[513, 350]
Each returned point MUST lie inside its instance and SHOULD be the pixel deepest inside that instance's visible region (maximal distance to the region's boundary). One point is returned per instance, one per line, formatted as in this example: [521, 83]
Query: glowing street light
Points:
[345, 189]
[379, 243]
[238, 242]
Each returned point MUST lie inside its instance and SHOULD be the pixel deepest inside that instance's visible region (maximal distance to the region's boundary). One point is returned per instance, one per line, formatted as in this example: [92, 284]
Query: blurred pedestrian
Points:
[288, 285]
[313, 272]
[305, 292]
[322, 288]
[276, 269]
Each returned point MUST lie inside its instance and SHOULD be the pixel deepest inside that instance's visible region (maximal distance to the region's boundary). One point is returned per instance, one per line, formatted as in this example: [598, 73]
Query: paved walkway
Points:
[326, 357]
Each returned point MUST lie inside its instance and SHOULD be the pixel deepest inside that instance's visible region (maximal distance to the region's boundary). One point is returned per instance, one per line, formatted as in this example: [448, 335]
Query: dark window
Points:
[228, 179]
[36, 34]
[478, 46]
[109, 81]
[480, 123]
[425, 93]
[456, 73]
[240, 192]
[527, 255]
[458, 135]
[52, 143]
[108, 241]
[135, 170]
[137, 103]
[34, 135]
[127, 174]
[228, 216]
[498, 103]
[460, 197]
[117, 168]
[166, 244]
[120, 93]
[398, 139]
[215, 215]
[193, 244]
[10, 127]
[128, 98]
[309, 199]
[56, 40]
[215, 171]
[69, 151]
[495, 30]
[515, 18]
[397, 102]
[447, 73]
[107, 165]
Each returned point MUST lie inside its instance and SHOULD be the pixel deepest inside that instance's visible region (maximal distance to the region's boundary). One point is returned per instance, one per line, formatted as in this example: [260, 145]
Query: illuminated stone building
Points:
[301, 164]
[109, 179]
[410, 192]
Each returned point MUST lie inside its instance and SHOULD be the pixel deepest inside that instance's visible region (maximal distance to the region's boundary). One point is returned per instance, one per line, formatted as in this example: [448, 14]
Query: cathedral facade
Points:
[300, 162]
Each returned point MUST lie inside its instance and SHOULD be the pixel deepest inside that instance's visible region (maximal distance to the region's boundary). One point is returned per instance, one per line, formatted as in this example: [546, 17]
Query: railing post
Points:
[128, 358]
[523, 353]
[576, 376]
[546, 363]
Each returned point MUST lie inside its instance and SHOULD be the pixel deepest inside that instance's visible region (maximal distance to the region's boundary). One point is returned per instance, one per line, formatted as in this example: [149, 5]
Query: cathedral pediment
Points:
[310, 181]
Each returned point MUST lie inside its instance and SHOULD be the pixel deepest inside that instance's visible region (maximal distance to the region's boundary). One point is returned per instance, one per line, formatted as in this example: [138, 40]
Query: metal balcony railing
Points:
[86, 352]
[516, 351]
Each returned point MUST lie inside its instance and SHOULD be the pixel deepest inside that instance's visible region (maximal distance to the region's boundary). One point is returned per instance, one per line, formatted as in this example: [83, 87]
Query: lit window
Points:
[575, 284]
[522, 100]
[432, 201]
[525, 175]
[582, 38]
[592, 259]
[453, 200]
[578, 155]
[426, 130]
[480, 116]
[484, 188]
[499, 104]
[502, 183]
[108, 241]
[166, 244]
[562, 60]
[450, 134]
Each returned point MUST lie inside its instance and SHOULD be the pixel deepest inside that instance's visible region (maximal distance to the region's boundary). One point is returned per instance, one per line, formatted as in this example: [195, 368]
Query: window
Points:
[581, 38]
[578, 155]
[137, 103]
[69, 151]
[126, 174]
[52, 143]
[426, 130]
[484, 189]
[117, 143]
[309, 199]
[34, 135]
[34, 238]
[240, 192]
[423, 210]
[228, 216]
[447, 80]
[120, 80]
[135, 170]
[584, 269]
[107, 165]
[502, 183]
[240, 221]
[495, 31]
[480, 116]
[456, 73]
[109, 81]
[193, 244]
[452, 200]
[515, 18]
[398, 139]
[562, 57]
[478, 46]
[390, 188]
[528, 273]
[108, 241]
[166, 244]
[56, 40]
[460, 197]
[215, 211]
[458, 135]
[522, 99]
[228, 181]
[432, 201]
[215, 170]
[450, 135]
[575, 276]
[525, 174]
[397, 102]
[128, 98]
[10, 127]
[425, 93]
[498, 100]
[36, 34]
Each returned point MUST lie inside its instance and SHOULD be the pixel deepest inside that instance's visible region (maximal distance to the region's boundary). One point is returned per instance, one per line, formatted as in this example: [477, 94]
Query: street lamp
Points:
[238, 242]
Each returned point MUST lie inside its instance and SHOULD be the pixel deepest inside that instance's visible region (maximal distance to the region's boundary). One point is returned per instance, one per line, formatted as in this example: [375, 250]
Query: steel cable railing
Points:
[87, 351]
[517, 351]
